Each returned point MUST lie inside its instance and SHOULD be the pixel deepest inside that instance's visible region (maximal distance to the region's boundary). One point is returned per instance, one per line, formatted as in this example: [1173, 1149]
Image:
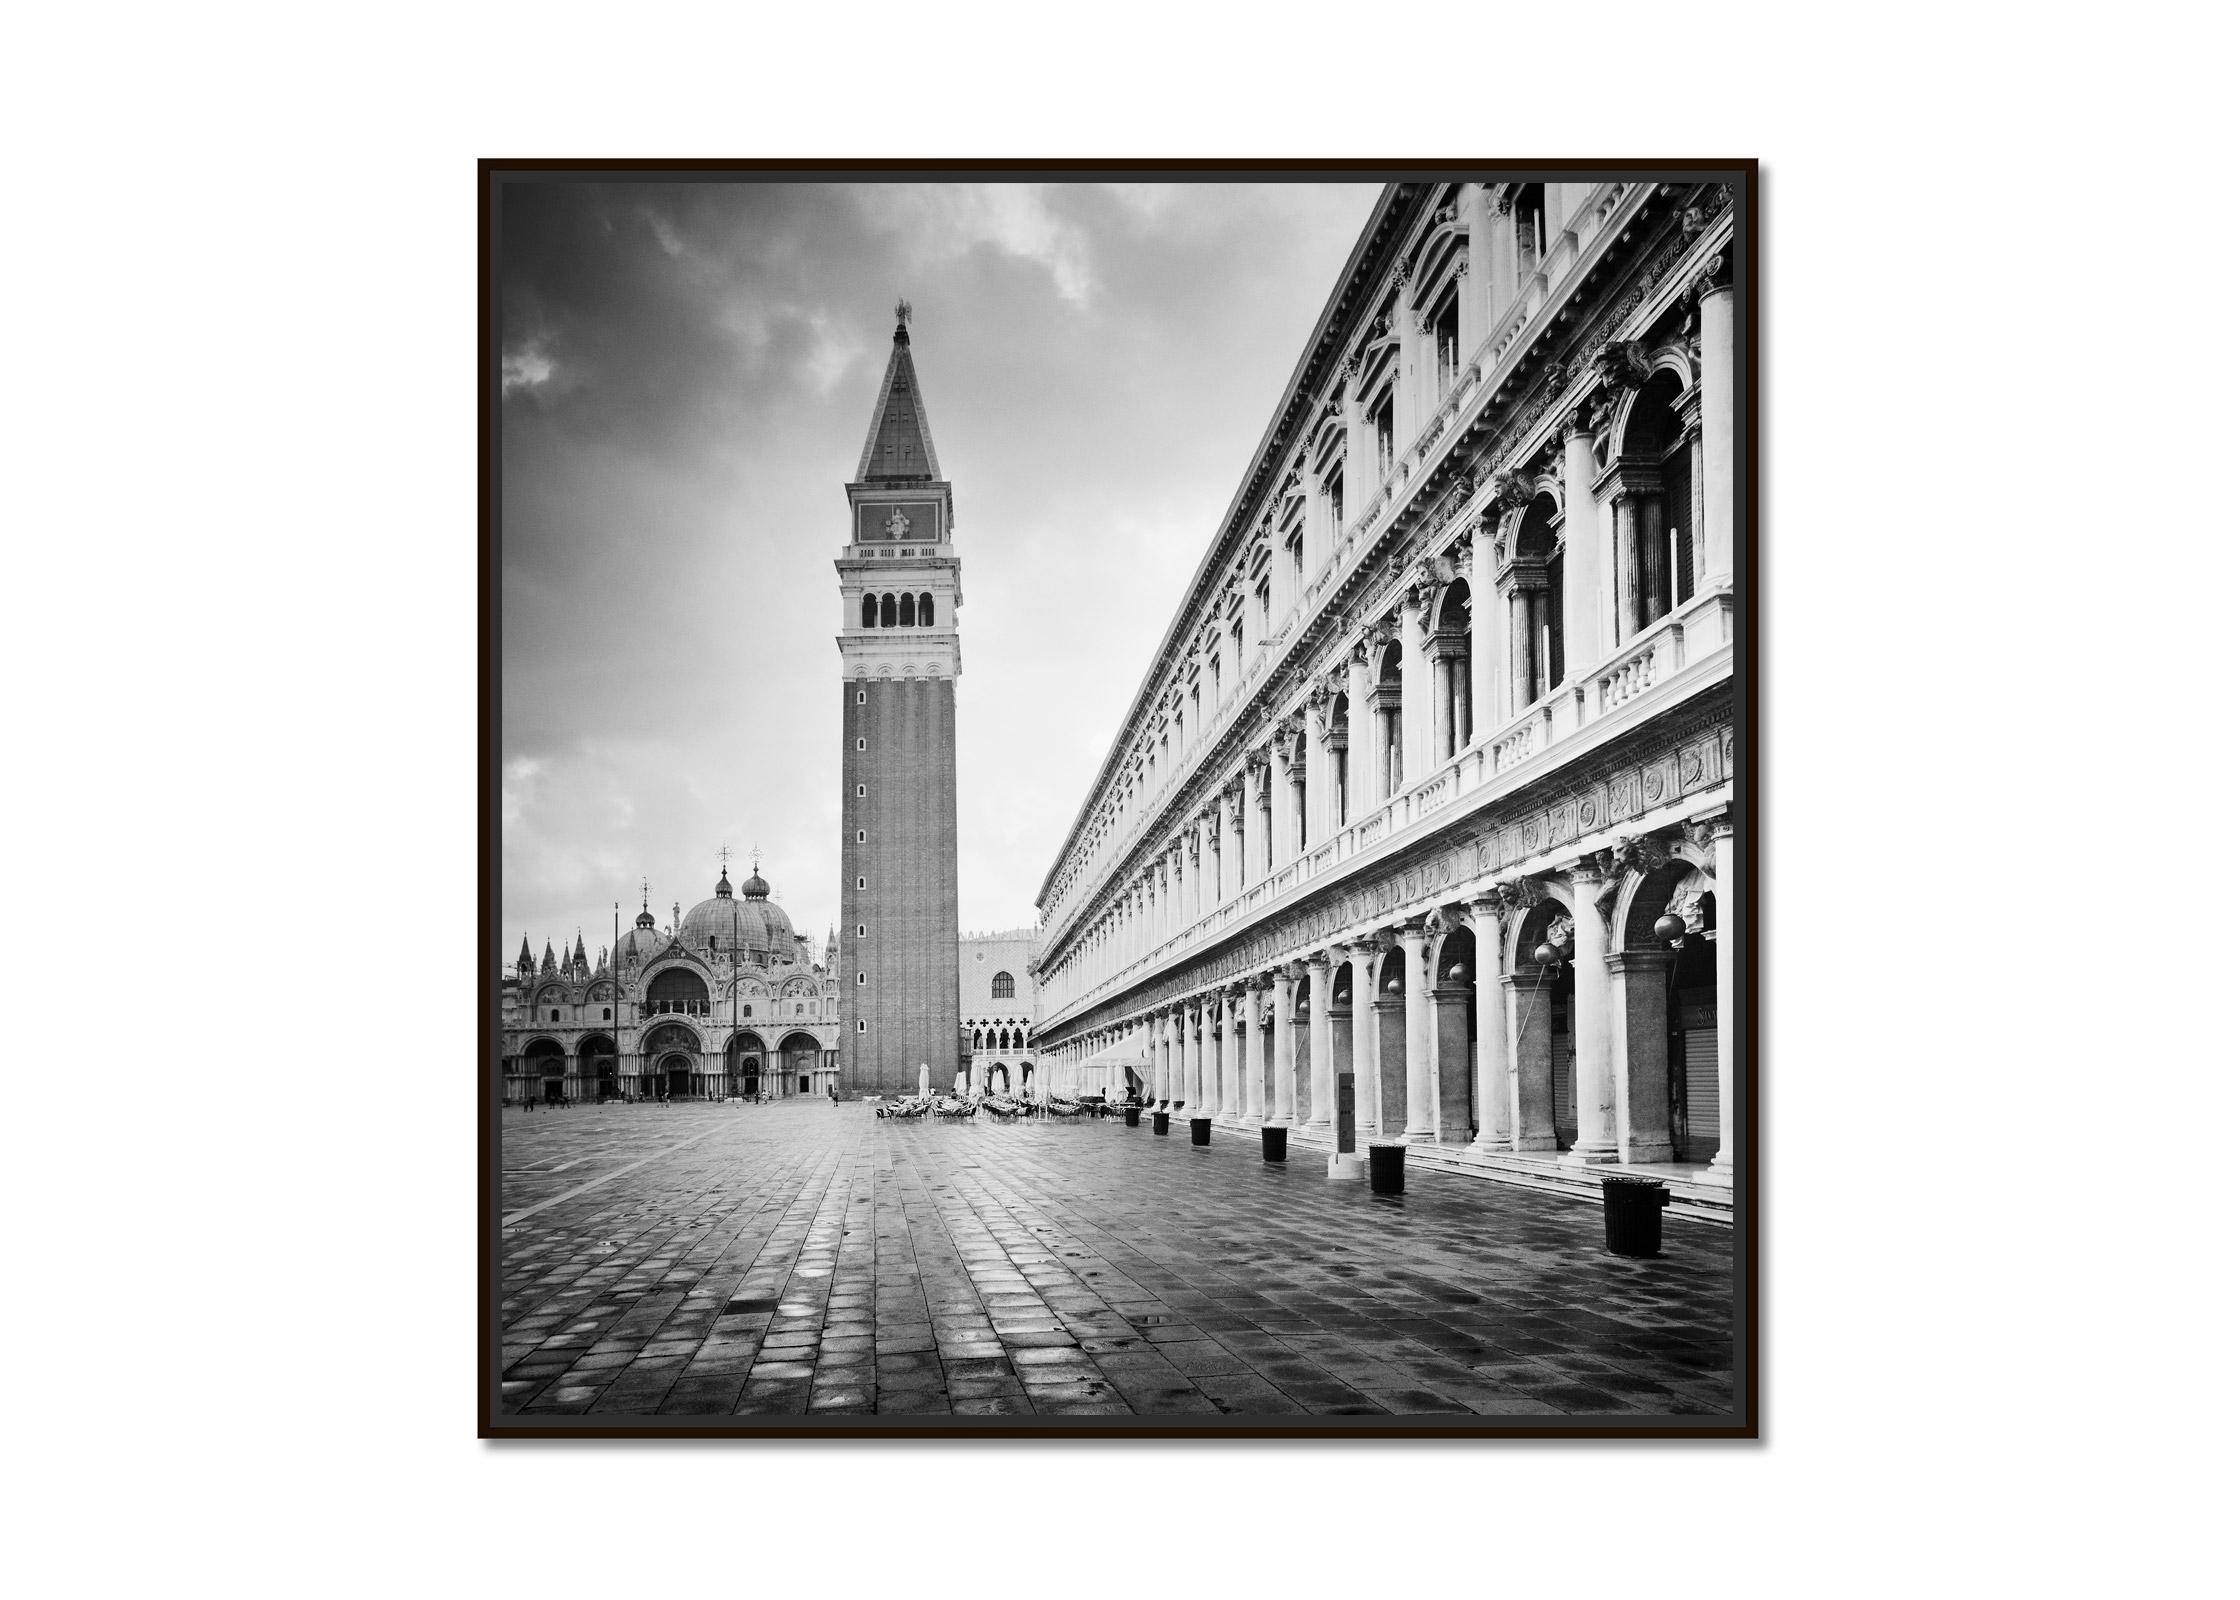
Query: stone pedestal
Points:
[1450, 1012]
[1352, 1168]
[1531, 1025]
[1640, 1052]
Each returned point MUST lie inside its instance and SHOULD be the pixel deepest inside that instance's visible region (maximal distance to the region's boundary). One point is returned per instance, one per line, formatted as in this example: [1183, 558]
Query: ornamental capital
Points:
[1622, 364]
[1714, 276]
[1642, 853]
[1511, 489]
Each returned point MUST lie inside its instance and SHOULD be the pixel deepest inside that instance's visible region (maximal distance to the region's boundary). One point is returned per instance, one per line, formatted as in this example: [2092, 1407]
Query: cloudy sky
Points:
[688, 373]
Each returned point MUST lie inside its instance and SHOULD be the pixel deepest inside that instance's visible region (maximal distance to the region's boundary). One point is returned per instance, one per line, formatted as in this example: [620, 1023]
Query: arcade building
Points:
[1431, 788]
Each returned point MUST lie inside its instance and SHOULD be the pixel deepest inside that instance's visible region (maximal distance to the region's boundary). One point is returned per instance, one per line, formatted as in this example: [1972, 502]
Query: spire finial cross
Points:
[758, 861]
[723, 854]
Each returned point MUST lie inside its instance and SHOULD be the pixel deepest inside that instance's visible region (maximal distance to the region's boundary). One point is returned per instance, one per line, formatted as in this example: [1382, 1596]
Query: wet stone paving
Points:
[739, 1261]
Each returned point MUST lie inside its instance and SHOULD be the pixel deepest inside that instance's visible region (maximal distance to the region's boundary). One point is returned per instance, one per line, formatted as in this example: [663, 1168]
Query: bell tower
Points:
[899, 663]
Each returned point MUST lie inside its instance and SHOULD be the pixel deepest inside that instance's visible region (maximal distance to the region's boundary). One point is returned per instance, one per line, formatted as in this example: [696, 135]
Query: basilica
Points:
[726, 1000]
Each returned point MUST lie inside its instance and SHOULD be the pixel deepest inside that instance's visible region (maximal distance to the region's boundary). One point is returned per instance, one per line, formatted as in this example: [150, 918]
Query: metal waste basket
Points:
[1158, 1122]
[1201, 1130]
[1274, 1143]
[1388, 1168]
[1633, 1215]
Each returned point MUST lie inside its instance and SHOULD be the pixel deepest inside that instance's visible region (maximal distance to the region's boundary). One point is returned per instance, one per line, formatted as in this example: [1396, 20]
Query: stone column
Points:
[1368, 1091]
[1543, 661]
[1228, 1057]
[1443, 724]
[1487, 647]
[1532, 1075]
[1729, 904]
[1194, 1058]
[1321, 1092]
[1194, 881]
[1255, 850]
[1639, 981]
[1255, 1054]
[1279, 806]
[1522, 645]
[1414, 693]
[1592, 1072]
[1155, 1033]
[1628, 543]
[1585, 629]
[1496, 1119]
[1477, 283]
[1416, 989]
[1318, 772]
[1224, 854]
[1361, 733]
[1283, 1078]
[1717, 306]
[1239, 846]
[1216, 1102]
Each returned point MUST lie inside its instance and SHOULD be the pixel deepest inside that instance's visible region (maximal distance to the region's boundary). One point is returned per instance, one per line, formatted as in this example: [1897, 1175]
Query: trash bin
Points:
[1388, 1168]
[1158, 1122]
[1201, 1130]
[1633, 1215]
[1274, 1143]
[1134, 1116]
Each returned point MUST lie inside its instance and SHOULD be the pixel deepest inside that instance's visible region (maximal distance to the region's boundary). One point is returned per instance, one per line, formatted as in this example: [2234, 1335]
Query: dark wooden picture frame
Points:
[1685, 201]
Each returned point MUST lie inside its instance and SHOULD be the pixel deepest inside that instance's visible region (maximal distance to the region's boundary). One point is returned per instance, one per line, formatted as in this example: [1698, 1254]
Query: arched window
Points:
[1001, 987]
[1536, 607]
[677, 990]
[1341, 735]
[1446, 340]
[1384, 701]
[909, 611]
[886, 611]
[1531, 211]
[925, 611]
[1656, 546]
[871, 611]
[1450, 672]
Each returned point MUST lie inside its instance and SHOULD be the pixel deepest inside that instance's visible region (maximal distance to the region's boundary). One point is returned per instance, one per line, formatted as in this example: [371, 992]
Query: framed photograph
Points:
[1299, 981]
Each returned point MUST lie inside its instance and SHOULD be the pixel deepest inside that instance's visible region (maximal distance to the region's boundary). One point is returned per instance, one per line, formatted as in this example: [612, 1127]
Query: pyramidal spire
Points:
[900, 443]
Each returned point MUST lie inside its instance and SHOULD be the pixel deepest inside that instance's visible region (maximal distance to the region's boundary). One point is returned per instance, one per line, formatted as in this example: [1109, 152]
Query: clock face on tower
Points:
[898, 525]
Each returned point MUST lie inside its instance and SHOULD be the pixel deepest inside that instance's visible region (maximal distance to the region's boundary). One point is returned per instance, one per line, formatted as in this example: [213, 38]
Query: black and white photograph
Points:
[1118, 801]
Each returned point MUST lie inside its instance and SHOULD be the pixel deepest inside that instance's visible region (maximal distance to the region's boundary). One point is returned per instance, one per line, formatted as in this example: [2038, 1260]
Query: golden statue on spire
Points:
[902, 311]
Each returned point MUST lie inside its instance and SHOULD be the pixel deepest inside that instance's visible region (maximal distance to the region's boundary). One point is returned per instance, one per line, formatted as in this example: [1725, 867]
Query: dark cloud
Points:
[691, 370]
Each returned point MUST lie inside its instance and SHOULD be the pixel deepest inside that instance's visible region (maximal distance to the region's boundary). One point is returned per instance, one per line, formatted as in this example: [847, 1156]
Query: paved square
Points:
[732, 1260]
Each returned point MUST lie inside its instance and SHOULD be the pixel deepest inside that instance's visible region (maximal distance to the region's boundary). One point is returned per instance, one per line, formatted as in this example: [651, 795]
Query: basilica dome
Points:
[643, 942]
[743, 927]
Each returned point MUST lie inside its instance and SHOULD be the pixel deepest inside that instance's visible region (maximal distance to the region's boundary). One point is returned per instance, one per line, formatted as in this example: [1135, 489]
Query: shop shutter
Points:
[1702, 1055]
[1566, 1079]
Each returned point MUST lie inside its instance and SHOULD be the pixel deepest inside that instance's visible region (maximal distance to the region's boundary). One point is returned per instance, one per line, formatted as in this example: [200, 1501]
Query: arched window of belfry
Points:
[871, 611]
[909, 611]
[886, 611]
